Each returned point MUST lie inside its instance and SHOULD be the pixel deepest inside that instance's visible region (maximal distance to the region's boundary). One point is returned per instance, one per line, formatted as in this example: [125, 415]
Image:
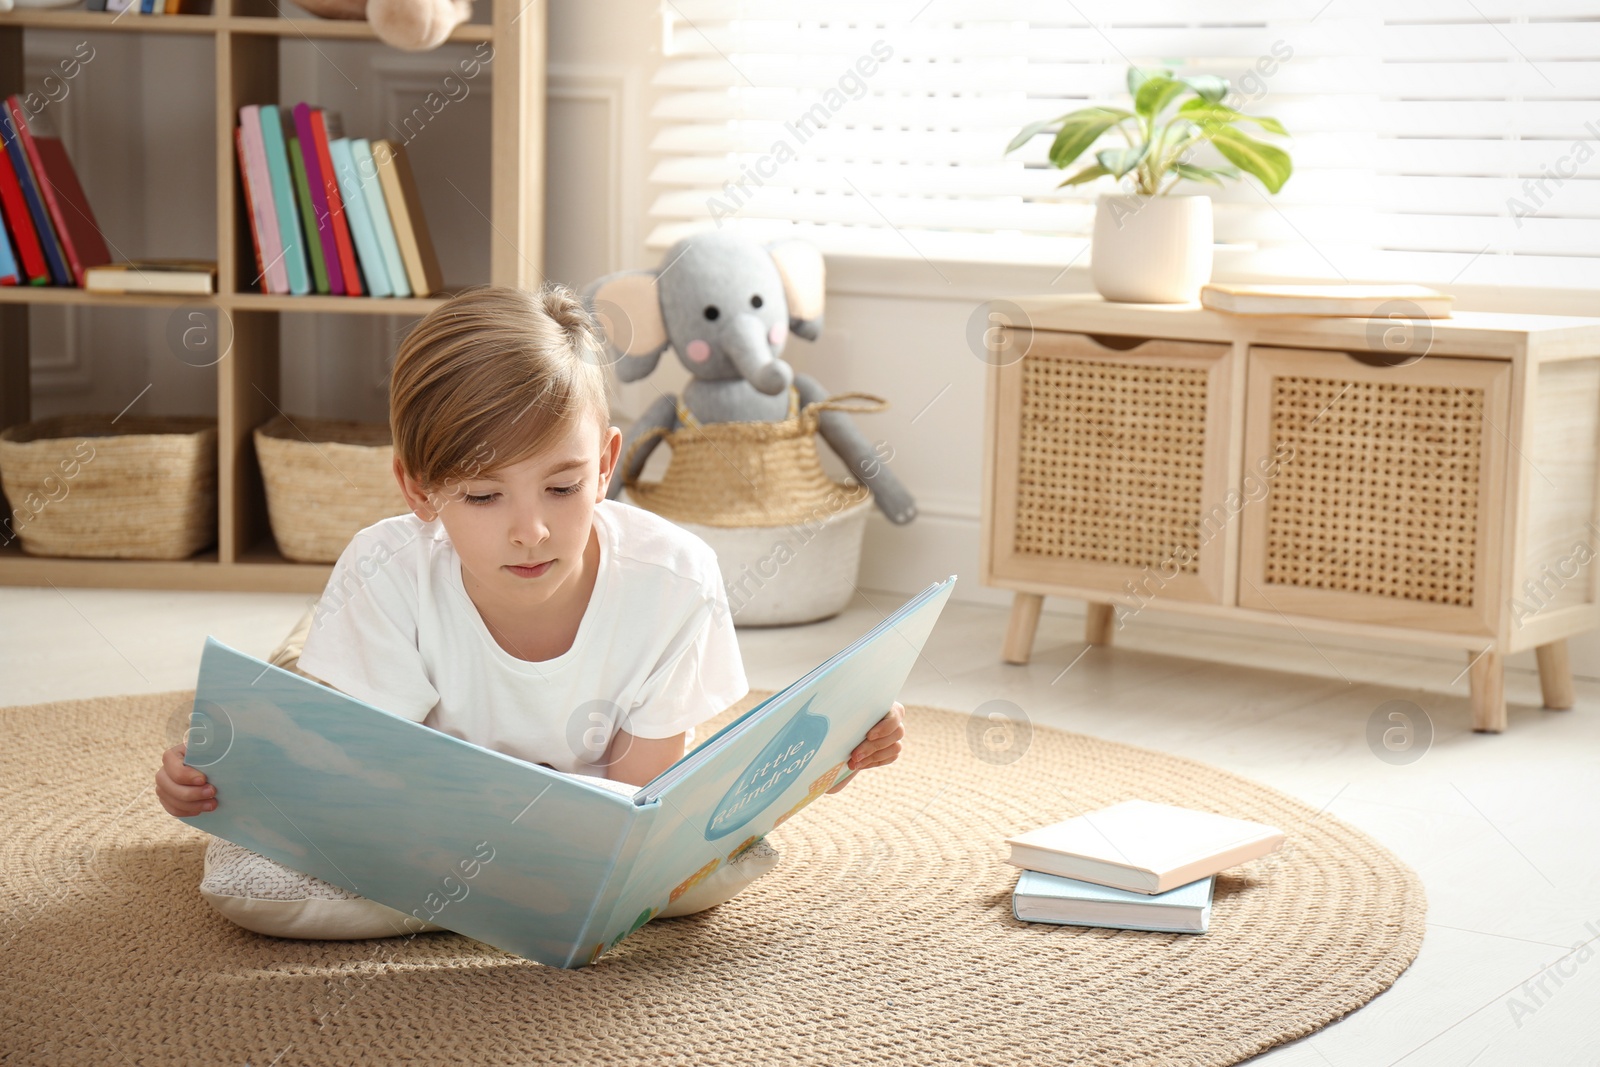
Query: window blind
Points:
[1431, 142]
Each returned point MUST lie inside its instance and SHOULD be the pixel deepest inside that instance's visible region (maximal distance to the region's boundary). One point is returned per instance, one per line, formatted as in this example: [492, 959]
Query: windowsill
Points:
[1028, 268]
[911, 277]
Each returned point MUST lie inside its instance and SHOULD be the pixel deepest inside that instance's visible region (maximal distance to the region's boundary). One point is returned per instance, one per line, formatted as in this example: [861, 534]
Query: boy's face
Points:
[536, 511]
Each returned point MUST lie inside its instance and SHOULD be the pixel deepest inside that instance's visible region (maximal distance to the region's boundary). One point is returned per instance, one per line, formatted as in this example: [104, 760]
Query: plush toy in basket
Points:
[326, 479]
[744, 474]
[111, 486]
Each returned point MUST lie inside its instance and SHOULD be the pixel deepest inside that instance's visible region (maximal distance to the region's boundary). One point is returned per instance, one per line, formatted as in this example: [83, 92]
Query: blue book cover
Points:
[283, 199]
[378, 209]
[373, 271]
[549, 866]
[1050, 898]
[10, 273]
[30, 192]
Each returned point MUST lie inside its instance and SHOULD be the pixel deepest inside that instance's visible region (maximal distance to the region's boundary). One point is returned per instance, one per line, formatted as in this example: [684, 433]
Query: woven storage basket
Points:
[787, 536]
[326, 479]
[112, 486]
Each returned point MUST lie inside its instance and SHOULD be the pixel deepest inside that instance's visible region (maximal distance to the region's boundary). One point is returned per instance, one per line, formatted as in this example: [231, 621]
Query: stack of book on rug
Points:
[1345, 301]
[1134, 866]
[328, 213]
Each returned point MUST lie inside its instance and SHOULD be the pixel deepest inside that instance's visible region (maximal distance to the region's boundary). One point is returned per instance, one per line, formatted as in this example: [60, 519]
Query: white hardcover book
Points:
[1349, 301]
[1141, 846]
[1046, 898]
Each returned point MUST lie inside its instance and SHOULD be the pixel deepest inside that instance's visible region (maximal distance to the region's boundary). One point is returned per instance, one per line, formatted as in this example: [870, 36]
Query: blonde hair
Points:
[491, 377]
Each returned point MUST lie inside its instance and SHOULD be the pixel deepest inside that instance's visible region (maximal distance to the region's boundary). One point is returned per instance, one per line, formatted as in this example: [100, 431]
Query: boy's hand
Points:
[182, 789]
[881, 745]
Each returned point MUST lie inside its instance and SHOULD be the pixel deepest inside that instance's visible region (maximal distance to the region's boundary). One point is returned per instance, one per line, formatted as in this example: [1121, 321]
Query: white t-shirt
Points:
[655, 653]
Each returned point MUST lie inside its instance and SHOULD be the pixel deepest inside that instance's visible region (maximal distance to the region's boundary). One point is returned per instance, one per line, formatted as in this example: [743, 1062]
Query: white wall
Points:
[894, 328]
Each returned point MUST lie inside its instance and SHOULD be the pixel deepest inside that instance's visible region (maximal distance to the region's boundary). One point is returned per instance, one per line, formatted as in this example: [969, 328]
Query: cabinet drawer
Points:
[1387, 504]
[1108, 454]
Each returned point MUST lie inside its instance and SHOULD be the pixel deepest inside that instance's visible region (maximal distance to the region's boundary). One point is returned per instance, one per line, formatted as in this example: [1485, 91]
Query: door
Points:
[1388, 502]
[1110, 468]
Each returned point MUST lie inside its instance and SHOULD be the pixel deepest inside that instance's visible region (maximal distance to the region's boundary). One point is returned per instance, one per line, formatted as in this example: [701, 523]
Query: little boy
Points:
[516, 606]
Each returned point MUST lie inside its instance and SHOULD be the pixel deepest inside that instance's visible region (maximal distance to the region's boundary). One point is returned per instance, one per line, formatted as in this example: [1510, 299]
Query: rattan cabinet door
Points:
[1388, 502]
[1109, 455]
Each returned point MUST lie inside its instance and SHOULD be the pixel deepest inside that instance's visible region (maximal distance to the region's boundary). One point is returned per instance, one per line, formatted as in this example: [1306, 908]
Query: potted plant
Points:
[1148, 246]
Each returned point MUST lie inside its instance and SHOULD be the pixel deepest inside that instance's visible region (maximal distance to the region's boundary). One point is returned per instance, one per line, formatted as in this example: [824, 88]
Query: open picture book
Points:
[547, 865]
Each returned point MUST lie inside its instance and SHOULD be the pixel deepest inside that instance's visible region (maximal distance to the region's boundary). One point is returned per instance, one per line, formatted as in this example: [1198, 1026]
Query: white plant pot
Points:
[1151, 249]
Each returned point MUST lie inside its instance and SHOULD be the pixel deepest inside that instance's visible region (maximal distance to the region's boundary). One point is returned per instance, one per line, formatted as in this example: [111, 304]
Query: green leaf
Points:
[1087, 174]
[1119, 161]
[1202, 174]
[1269, 164]
[1210, 87]
[1271, 125]
[1081, 129]
[1207, 113]
[1136, 78]
[1029, 132]
[1155, 94]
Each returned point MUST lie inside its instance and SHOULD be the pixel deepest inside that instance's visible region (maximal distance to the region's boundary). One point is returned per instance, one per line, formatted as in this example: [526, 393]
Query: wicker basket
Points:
[112, 486]
[326, 479]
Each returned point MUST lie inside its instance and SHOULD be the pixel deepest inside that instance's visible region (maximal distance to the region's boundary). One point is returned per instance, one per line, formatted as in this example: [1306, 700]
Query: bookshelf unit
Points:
[246, 34]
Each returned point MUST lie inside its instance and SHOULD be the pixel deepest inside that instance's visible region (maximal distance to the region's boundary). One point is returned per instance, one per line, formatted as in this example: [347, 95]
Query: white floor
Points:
[1503, 829]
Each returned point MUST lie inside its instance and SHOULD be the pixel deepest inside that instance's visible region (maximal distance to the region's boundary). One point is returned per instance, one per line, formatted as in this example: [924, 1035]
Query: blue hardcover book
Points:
[10, 273]
[1049, 898]
[378, 209]
[30, 192]
[550, 866]
[283, 199]
[373, 271]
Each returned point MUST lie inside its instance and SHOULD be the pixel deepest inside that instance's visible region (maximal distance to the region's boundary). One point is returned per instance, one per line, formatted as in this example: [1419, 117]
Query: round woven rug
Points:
[885, 935]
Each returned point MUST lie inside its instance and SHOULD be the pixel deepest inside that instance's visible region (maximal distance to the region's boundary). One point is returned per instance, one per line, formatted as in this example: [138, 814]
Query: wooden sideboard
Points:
[1426, 481]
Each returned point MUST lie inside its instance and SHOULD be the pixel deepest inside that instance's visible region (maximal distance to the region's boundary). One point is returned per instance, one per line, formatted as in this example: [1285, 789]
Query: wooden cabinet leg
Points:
[1098, 624]
[1024, 623]
[1555, 675]
[1488, 680]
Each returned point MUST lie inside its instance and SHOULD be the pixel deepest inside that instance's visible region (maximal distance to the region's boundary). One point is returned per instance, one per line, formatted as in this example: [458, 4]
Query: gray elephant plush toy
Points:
[727, 305]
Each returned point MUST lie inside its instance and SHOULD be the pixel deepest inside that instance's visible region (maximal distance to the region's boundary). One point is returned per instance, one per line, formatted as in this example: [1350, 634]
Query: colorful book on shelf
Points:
[9, 271]
[35, 271]
[1141, 846]
[322, 212]
[349, 270]
[1048, 898]
[292, 237]
[308, 217]
[372, 190]
[252, 224]
[154, 276]
[37, 212]
[540, 863]
[82, 244]
[355, 210]
[81, 239]
[272, 275]
[405, 211]
[1354, 301]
